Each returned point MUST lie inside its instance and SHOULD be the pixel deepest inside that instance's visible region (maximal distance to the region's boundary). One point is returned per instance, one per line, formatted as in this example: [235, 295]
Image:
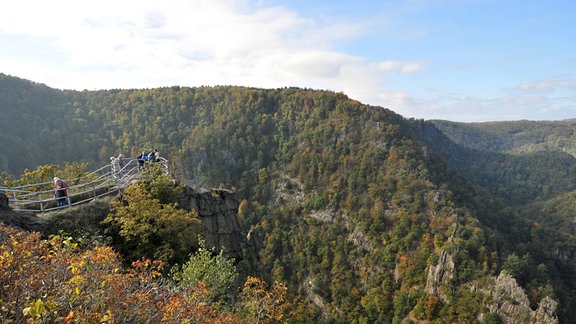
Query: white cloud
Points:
[548, 85]
[102, 44]
[513, 106]
[402, 67]
[146, 43]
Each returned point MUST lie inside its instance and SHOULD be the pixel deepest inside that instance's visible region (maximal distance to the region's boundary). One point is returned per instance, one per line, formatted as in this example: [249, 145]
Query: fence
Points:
[98, 183]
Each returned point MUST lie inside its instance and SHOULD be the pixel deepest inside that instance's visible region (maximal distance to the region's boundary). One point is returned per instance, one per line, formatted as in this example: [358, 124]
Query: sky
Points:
[458, 60]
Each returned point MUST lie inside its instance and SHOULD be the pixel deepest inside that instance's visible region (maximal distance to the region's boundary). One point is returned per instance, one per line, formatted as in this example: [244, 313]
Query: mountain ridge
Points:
[400, 192]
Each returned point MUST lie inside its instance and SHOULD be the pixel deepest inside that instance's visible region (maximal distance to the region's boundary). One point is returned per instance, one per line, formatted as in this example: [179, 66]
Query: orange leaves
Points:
[146, 270]
[407, 268]
[43, 279]
[262, 303]
[55, 281]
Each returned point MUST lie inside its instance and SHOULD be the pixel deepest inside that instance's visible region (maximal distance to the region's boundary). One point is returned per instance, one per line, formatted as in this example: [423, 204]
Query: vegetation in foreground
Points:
[60, 279]
[56, 280]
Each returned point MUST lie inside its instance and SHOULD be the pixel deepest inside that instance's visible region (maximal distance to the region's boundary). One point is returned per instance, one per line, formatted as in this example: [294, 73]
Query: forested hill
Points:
[512, 168]
[520, 136]
[366, 216]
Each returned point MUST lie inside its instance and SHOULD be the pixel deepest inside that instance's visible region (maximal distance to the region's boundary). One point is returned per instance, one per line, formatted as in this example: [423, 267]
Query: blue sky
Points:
[476, 60]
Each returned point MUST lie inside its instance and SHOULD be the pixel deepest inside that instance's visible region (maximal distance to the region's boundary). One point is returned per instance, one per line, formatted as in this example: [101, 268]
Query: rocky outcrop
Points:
[510, 302]
[218, 211]
[442, 272]
[22, 220]
[546, 312]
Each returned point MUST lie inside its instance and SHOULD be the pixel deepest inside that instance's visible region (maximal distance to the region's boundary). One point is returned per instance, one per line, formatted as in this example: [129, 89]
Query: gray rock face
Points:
[441, 273]
[505, 297]
[546, 312]
[218, 211]
[512, 305]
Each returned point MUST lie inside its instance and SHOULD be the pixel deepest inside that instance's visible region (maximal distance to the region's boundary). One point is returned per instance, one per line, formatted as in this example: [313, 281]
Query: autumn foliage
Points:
[56, 281]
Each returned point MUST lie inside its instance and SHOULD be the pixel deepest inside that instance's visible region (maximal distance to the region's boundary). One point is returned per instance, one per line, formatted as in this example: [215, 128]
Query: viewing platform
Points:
[39, 197]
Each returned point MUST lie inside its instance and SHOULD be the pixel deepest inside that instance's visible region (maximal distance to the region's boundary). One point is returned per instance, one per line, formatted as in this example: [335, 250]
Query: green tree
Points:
[213, 269]
[148, 228]
[159, 184]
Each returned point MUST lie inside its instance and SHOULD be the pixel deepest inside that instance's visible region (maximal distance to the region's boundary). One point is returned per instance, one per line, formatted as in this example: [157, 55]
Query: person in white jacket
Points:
[115, 166]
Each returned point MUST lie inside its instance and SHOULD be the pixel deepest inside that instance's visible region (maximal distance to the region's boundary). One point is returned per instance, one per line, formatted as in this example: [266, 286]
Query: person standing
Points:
[60, 192]
[156, 156]
[115, 166]
[152, 156]
[122, 164]
[121, 161]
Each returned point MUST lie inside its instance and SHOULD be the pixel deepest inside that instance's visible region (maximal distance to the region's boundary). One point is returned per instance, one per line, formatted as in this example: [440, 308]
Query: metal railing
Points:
[96, 184]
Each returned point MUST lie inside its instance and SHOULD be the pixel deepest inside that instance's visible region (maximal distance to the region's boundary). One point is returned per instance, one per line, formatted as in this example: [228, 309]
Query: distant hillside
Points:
[364, 215]
[505, 165]
[513, 136]
[28, 112]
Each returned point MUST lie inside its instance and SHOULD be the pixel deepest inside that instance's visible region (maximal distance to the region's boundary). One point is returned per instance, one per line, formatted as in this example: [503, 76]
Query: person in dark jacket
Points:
[142, 158]
[60, 192]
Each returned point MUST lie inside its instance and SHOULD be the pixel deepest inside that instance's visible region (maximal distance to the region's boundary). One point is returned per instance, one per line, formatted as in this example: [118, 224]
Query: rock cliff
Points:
[441, 273]
[218, 211]
[503, 294]
[510, 302]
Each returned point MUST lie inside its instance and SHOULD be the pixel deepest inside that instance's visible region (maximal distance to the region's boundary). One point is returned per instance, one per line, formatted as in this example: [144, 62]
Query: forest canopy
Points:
[351, 207]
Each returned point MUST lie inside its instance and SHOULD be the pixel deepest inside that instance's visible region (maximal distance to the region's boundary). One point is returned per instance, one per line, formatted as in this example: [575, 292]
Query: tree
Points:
[159, 184]
[265, 305]
[148, 228]
[213, 269]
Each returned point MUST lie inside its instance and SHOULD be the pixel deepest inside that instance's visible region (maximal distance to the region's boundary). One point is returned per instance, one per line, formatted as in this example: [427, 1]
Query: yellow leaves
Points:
[6, 259]
[77, 268]
[153, 229]
[263, 303]
[108, 318]
[77, 280]
[91, 286]
[39, 309]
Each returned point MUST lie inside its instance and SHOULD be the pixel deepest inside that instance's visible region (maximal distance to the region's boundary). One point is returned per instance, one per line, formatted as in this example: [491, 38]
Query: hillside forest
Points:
[363, 216]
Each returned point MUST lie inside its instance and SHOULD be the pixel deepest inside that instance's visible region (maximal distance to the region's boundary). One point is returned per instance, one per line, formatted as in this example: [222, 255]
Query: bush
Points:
[213, 269]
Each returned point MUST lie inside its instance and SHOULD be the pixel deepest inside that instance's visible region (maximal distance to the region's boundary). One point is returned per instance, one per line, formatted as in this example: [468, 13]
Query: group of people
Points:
[144, 157]
[118, 163]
